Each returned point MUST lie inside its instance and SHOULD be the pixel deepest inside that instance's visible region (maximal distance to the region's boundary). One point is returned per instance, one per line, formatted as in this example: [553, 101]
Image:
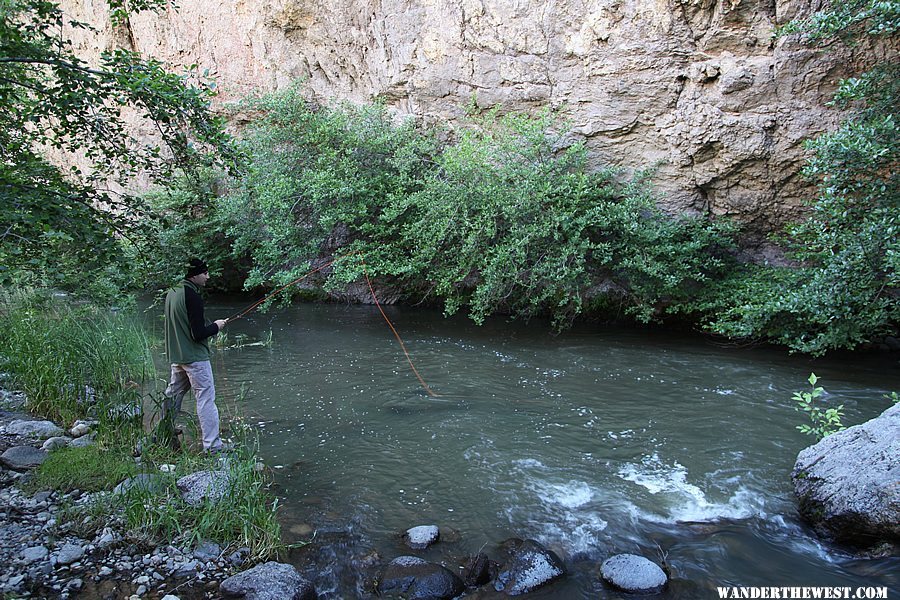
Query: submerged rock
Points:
[633, 573]
[419, 538]
[269, 581]
[847, 484]
[417, 579]
[529, 567]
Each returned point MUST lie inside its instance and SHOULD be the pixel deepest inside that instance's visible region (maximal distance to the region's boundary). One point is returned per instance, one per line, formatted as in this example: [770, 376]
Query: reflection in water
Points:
[594, 442]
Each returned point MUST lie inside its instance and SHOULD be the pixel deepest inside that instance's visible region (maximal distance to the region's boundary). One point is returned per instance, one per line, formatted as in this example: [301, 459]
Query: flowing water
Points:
[594, 442]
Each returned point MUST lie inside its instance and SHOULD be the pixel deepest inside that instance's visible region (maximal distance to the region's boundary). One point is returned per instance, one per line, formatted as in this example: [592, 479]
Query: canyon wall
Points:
[698, 89]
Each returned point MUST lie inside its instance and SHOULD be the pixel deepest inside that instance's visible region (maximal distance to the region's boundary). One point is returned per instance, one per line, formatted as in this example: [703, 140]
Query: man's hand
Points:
[220, 323]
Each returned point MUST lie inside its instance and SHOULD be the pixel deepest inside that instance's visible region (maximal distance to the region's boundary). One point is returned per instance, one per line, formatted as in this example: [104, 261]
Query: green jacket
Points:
[186, 329]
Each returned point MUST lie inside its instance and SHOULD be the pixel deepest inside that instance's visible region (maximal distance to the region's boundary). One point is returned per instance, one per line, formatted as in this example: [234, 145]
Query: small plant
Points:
[893, 397]
[824, 422]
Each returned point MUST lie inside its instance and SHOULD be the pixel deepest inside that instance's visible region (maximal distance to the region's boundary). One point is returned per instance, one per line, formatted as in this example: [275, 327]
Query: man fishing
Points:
[187, 350]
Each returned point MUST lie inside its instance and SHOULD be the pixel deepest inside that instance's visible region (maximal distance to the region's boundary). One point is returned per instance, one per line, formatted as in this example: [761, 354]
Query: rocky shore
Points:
[46, 554]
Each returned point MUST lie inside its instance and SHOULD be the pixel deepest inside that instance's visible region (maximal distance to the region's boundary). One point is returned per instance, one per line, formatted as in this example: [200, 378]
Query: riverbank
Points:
[61, 544]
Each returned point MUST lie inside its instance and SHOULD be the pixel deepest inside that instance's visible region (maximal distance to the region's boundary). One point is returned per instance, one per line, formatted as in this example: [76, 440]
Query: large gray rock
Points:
[417, 579]
[34, 429]
[269, 581]
[633, 573]
[848, 484]
[529, 567]
[22, 458]
[203, 486]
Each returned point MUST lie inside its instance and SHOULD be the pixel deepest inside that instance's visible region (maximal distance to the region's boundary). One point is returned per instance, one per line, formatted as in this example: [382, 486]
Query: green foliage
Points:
[68, 359]
[318, 173]
[847, 288]
[190, 223]
[848, 21]
[507, 218]
[824, 421]
[60, 224]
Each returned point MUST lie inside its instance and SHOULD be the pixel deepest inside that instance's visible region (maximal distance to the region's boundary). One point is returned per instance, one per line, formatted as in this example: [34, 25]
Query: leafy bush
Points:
[318, 173]
[191, 223]
[507, 218]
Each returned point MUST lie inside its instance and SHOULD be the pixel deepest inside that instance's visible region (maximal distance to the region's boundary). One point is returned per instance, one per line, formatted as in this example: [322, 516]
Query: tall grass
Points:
[69, 358]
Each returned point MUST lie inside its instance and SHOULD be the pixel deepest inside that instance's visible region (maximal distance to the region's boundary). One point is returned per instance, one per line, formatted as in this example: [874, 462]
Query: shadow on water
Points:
[594, 442]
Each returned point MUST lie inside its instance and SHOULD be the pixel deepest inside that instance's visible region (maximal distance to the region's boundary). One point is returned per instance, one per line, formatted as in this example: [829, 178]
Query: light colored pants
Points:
[199, 377]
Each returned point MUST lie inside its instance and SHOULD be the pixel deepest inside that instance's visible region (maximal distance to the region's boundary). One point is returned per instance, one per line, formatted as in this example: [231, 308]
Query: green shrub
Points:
[507, 218]
[191, 223]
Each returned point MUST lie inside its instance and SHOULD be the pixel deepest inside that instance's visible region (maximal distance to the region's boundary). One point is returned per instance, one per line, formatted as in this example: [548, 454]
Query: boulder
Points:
[419, 538]
[417, 579]
[633, 573]
[81, 428]
[268, 581]
[848, 484]
[528, 567]
[203, 486]
[207, 550]
[22, 458]
[34, 429]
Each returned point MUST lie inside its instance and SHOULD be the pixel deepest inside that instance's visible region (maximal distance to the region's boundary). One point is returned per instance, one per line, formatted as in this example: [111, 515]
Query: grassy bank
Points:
[84, 362]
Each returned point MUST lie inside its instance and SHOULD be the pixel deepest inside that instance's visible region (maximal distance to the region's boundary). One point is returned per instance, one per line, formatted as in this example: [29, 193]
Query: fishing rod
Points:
[243, 313]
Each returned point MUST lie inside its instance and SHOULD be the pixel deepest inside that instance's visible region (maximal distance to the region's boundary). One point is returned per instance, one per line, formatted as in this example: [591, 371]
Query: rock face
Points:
[633, 573]
[848, 485]
[698, 88]
[269, 581]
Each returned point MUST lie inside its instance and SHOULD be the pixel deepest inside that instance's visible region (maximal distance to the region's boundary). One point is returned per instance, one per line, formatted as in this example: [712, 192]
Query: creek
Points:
[598, 441]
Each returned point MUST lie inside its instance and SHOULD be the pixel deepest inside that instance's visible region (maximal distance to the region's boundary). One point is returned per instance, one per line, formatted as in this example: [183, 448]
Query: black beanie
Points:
[195, 267]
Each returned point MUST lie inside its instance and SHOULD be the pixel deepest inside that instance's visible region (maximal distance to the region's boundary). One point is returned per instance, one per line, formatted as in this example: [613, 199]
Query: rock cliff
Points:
[698, 89]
